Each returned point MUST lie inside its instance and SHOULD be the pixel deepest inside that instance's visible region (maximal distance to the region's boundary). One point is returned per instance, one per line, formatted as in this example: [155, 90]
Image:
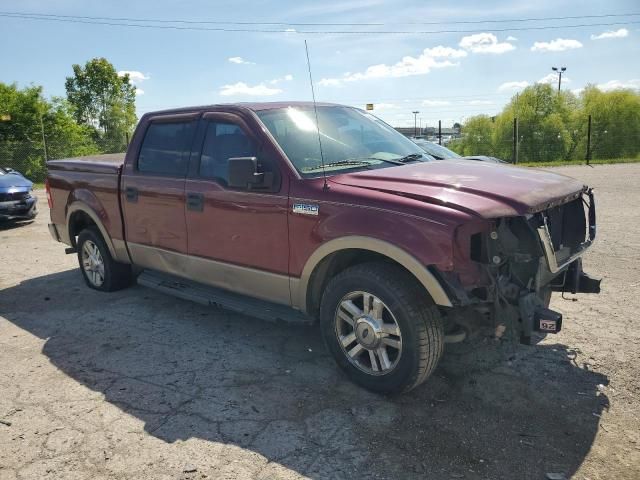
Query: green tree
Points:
[29, 116]
[544, 118]
[104, 100]
[616, 122]
[552, 126]
[477, 137]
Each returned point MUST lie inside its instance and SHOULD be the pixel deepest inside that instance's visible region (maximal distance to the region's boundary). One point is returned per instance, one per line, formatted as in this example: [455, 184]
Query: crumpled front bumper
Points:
[23, 209]
[565, 270]
[556, 263]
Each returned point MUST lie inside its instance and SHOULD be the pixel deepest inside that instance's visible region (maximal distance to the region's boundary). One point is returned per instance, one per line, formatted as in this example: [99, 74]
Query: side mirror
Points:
[243, 173]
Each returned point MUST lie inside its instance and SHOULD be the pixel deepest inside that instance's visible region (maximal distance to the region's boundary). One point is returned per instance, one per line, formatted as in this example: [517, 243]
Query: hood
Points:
[485, 189]
[484, 158]
[13, 182]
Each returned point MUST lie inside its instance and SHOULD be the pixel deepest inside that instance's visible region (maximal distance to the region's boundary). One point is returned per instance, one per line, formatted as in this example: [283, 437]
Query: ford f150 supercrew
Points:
[328, 213]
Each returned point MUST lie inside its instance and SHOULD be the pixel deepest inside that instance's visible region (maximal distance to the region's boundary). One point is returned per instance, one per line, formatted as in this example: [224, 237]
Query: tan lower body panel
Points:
[247, 281]
[120, 250]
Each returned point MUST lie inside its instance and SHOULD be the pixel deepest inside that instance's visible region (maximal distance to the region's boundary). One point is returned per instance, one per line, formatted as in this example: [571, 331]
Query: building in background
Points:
[431, 133]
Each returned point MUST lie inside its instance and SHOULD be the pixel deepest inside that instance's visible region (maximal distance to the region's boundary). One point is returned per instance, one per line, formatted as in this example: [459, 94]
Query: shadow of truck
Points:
[188, 371]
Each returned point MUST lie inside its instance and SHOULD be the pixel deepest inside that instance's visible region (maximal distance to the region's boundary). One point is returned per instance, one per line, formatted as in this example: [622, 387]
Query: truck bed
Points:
[92, 181]
[105, 164]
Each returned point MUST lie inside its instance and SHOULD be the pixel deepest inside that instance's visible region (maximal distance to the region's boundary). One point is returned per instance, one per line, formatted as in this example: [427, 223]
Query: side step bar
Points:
[211, 296]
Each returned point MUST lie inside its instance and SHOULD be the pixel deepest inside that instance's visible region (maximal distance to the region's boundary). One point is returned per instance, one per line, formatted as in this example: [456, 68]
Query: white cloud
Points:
[553, 78]
[485, 43]
[139, 91]
[240, 61]
[286, 78]
[430, 59]
[385, 106]
[480, 102]
[557, 45]
[241, 88]
[616, 84]
[435, 103]
[134, 75]
[511, 38]
[513, 86]
[443, 52]
[330, 82]
[621, 33]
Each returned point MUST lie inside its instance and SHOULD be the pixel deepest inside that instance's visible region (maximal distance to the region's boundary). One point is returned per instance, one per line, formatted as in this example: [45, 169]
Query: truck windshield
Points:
[351, 139]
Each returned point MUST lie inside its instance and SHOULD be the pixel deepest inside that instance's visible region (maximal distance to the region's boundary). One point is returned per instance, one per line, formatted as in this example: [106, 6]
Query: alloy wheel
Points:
[93, 263]
[368, 333]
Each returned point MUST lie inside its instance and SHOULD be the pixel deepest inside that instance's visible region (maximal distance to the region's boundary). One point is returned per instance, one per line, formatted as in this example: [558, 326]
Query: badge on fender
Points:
[305, 209]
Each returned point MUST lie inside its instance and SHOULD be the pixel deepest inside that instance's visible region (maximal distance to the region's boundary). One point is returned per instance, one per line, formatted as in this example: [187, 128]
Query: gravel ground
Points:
[139, 385]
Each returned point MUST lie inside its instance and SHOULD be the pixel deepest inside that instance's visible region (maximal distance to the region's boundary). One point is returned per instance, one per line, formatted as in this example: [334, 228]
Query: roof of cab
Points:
[255, 106]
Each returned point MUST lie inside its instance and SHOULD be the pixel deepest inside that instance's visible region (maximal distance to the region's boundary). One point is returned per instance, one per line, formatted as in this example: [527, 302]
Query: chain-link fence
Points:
[29, 157]
[522, 142]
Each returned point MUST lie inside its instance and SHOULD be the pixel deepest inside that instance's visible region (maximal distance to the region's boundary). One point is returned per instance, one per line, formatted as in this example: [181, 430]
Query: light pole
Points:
[415, 123]
[560, 71]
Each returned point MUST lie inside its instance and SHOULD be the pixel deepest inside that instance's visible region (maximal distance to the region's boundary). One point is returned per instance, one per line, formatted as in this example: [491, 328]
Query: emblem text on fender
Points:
[305, 209]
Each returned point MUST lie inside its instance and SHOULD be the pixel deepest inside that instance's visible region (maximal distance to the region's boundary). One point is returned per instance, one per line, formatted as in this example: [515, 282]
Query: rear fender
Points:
[83, 200]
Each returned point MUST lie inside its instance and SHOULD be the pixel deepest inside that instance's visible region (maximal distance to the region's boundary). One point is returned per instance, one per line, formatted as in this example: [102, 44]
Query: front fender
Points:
[300, 287]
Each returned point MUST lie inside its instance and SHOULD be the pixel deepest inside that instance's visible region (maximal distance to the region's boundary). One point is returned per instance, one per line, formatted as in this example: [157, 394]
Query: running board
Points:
[217, 297]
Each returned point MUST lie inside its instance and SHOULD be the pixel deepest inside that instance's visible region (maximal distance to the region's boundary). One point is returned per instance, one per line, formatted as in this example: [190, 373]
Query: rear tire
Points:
[99, 270]
[381, 327]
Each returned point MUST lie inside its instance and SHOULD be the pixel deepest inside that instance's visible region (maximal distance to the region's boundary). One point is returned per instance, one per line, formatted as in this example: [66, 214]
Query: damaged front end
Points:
[506, 269]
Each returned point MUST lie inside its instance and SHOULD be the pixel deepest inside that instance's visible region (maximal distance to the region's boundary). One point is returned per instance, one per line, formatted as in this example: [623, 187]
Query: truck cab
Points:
[327, 211]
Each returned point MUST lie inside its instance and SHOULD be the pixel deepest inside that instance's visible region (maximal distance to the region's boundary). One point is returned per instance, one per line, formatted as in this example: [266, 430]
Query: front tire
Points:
[381, 327]
[99, 270]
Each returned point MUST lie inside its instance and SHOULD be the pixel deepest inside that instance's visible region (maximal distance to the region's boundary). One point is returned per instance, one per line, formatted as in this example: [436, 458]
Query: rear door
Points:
[153, 192]
[238, 237]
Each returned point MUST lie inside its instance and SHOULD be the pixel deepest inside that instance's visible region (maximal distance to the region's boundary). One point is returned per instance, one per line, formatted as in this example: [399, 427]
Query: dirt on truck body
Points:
[258, 208]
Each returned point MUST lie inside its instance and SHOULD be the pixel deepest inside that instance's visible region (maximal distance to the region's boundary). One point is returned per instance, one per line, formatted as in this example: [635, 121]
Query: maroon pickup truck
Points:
[284, 211]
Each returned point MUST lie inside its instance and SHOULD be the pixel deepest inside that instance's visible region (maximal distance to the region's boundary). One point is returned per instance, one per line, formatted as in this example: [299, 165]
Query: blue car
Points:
[17, 201]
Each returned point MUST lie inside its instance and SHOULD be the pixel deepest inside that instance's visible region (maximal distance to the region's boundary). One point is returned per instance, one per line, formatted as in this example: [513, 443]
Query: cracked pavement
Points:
[136, 384]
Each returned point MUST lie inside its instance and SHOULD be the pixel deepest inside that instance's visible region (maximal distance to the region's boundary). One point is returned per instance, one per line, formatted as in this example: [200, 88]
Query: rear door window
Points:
[165, 149]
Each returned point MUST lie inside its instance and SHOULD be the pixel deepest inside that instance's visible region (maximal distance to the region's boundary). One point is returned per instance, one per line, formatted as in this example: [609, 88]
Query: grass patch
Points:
[562, 163]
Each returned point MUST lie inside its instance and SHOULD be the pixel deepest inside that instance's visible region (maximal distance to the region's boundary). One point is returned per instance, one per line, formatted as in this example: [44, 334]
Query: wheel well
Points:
[77, 222]
[333, 264]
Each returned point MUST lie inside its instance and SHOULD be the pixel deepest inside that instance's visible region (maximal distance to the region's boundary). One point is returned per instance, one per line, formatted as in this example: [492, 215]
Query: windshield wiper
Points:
[348, 162]
[364, 161]
[387, 160]
[410, 158]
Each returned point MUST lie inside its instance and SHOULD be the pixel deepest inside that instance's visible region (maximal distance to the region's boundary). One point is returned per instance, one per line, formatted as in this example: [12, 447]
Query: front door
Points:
[238, 238]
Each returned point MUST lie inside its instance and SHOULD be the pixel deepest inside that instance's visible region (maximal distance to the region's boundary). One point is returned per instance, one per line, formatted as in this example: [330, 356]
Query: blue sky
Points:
[447, 76]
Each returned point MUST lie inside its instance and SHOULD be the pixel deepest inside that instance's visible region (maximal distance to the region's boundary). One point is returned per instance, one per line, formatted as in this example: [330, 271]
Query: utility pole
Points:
[589, 140]
[415, 123]
[560, 71]
[515, 140]
[439, 132]
[44, 140]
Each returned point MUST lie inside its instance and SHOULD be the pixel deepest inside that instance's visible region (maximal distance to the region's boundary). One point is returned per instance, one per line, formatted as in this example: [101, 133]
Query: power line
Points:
[352, 24]
[306, 32]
